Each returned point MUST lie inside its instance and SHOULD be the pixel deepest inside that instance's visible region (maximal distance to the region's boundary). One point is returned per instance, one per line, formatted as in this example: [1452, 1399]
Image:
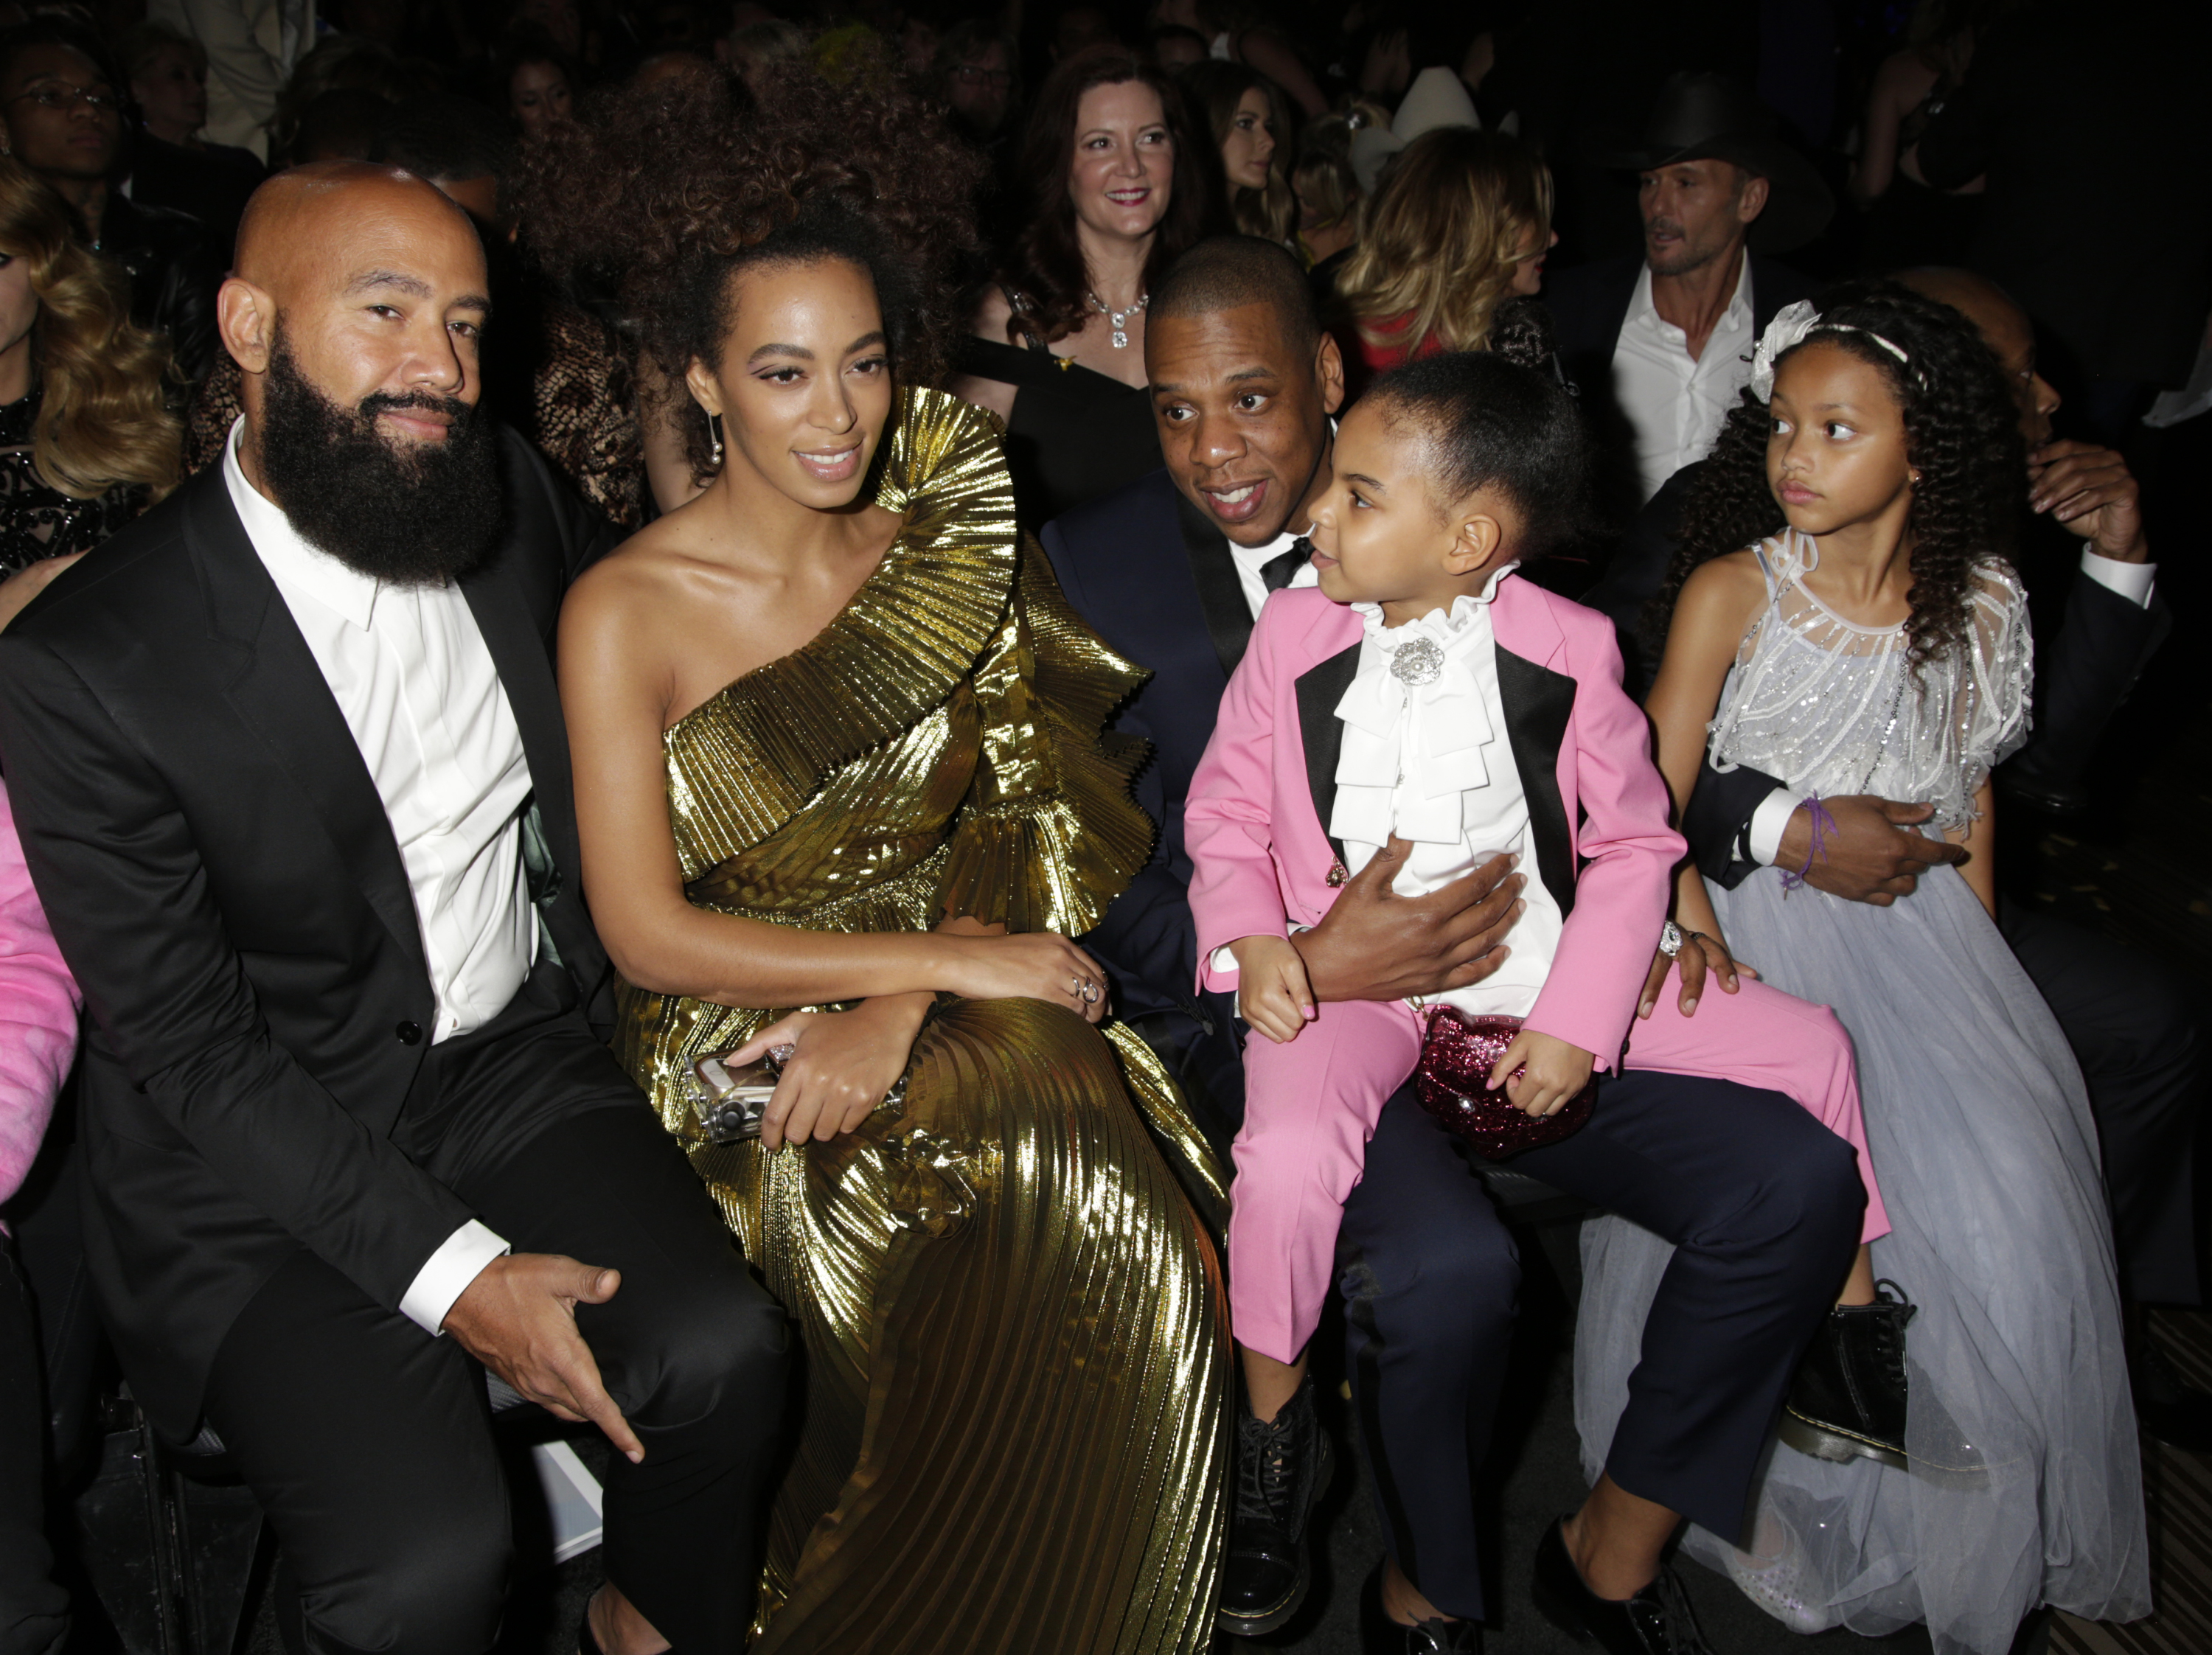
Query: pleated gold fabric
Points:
[1016, 1378]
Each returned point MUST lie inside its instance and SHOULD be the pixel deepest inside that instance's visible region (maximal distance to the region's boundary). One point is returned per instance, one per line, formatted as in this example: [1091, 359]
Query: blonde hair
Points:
[1439, 240]
[103, 420]
[1324, 174]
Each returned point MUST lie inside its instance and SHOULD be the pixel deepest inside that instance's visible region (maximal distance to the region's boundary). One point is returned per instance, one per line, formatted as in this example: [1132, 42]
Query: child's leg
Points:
[1760, 1036]
[1310, 1108]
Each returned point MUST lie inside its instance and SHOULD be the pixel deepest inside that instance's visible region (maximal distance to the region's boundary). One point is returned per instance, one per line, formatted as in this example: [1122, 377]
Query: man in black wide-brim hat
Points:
[1665, 340]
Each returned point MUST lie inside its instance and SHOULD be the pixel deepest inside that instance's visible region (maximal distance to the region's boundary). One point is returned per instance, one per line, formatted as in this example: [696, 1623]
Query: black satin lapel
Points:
[1321, 732]
[1220, 593]
[525, 673]
[280, 692]
[1539, 702]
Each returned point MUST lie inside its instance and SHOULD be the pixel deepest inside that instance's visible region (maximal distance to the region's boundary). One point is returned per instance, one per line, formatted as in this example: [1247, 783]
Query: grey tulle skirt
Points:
[2026, 1488]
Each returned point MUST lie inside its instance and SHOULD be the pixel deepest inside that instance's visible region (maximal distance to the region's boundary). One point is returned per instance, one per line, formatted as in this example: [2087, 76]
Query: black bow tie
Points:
[1275, 573]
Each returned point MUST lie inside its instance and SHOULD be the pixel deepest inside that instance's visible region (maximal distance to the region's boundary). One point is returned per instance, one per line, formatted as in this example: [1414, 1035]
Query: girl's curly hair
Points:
[657, 195]
[1961, 434]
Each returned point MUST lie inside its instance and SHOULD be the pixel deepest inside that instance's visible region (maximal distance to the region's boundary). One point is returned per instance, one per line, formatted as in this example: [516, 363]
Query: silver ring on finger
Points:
[1089, 992]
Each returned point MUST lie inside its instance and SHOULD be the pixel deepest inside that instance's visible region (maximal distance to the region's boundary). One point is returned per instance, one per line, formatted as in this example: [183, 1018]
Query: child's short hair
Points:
[1490, 423]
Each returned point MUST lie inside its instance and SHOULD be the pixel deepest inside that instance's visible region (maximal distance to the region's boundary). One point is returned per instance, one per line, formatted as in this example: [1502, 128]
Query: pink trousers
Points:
[1310, 1106]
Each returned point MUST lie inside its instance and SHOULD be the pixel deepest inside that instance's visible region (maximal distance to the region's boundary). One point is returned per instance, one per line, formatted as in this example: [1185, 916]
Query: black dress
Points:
[38, 521]
[1076, 433]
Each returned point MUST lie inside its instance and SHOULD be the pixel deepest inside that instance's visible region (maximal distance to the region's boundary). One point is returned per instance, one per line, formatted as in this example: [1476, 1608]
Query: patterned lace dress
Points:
[37, 520]
[2024, 1488]
[1017, 1375]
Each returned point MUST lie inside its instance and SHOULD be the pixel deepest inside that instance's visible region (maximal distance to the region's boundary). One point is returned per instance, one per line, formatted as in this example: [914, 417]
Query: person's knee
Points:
[1456, 1275]
[1805, 1191]
[724, 1349]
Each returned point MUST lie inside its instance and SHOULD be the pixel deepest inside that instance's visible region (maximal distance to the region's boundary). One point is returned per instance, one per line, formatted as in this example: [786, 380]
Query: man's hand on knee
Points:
[1873, 856]
[518, 1319]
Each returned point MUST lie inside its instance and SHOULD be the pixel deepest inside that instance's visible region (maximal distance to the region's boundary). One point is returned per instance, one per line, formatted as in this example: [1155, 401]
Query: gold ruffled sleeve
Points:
[1048, 835]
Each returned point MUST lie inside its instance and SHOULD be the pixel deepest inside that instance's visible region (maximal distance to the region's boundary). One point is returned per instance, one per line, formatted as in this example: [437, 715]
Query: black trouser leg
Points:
[690, 1347]
[34, 1607]
[1429, 1275]
[2138, 1039]
[367, 1443]
[1763, 1205]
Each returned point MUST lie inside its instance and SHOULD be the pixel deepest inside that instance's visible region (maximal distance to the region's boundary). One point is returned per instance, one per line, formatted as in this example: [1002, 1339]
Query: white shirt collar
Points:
[295, 566]
[1738, 313]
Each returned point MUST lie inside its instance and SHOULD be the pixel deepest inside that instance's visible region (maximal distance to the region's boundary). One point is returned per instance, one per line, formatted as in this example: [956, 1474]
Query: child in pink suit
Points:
[1424, 691]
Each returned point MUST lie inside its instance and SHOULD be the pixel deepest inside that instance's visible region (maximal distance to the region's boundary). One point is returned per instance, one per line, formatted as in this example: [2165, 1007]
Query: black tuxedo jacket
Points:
[1155, 579]
[224, 883]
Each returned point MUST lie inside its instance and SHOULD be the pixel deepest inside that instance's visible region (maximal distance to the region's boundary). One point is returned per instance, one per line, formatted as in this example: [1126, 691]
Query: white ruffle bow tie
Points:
[1417, 714]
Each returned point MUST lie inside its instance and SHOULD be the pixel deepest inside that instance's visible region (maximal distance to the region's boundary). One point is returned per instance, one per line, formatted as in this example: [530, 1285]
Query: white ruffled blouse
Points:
[1425, 755]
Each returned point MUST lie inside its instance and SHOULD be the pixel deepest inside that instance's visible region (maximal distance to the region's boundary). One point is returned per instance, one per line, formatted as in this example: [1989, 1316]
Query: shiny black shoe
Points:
[1657, 1620]
[1381, 1635]
[1282, 1467]
[1848, 1400]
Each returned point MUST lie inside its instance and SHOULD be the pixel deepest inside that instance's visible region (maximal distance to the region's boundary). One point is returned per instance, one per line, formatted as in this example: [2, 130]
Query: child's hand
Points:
[1272, 992]
[1556, 1072]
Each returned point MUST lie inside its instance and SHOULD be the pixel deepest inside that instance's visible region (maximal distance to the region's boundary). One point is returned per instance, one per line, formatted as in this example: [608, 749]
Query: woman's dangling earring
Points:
[714, 430]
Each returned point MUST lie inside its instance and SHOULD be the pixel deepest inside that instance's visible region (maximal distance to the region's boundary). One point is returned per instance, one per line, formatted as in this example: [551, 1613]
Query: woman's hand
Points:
[1033, 966]
[843, 1064]
[1700, 954]
[1554, 1071]
[1272, 994]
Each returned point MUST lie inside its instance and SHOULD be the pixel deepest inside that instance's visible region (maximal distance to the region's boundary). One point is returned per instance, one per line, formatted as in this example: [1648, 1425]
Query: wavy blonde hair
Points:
[1439, 240]
[104, 420]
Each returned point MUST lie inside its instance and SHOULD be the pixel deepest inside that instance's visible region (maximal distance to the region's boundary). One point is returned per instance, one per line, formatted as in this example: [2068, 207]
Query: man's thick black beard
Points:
[419, 516]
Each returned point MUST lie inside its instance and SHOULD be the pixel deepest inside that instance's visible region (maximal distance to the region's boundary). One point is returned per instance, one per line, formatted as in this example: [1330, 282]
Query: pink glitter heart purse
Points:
[1457, 1055]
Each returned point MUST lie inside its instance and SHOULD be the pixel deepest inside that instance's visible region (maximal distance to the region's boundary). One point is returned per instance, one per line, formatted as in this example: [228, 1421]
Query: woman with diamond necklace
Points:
[1115, 196]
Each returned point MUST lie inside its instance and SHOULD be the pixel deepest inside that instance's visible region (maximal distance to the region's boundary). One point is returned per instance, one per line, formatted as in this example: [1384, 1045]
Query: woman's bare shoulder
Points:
[992, 313]
[634, 584]
[1724, 590]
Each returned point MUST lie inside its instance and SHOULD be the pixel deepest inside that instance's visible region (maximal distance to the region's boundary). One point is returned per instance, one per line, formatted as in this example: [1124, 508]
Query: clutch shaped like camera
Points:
[730, 1101]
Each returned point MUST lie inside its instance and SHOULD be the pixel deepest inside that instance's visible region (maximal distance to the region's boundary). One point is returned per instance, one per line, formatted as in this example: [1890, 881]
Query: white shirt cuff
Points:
[2134, 581]
[447, 1274]
[1763, 838]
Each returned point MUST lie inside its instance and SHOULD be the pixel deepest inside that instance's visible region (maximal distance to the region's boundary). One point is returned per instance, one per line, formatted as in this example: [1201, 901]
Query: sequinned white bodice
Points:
[1832, 707]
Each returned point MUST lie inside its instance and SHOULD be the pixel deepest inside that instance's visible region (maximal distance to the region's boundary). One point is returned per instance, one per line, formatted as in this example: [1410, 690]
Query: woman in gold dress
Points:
[842, 787]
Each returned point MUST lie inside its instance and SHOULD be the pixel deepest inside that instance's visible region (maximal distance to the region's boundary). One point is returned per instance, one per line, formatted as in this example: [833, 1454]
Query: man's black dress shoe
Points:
[2167, 1407]
[1381, 1635]
[1848, 1400]
[1282, 1466]
[1657, 1620]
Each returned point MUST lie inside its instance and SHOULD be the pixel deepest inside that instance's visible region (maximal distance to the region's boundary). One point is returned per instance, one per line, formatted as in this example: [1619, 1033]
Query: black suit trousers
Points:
[33, 1608]
[1763, 1205]
[368, 1441]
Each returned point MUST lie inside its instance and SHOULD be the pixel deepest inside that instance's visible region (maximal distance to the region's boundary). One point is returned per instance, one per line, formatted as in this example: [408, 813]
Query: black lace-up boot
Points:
[1657, 1620]
[1282, 1466]
[1848, 1399]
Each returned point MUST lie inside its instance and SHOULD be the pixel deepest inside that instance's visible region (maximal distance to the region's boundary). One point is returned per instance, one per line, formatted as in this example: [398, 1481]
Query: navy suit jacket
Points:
[1156, 581]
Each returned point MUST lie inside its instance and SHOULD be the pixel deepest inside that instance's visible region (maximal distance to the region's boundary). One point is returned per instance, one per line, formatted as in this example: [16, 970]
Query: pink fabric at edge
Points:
[39, 1003]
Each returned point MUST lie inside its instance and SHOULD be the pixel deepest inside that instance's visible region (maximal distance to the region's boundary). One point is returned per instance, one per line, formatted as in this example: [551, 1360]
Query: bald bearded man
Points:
[293, 784]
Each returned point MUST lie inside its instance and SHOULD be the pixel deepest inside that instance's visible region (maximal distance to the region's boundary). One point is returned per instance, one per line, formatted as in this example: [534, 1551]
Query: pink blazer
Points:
[1261, 854]
[38, 1012]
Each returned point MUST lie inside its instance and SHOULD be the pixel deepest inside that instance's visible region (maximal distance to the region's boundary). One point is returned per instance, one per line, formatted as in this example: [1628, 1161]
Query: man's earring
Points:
[714, 430]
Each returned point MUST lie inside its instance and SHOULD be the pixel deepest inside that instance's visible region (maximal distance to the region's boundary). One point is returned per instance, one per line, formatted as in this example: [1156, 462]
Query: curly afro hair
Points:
[1961, 434]
[658, 196]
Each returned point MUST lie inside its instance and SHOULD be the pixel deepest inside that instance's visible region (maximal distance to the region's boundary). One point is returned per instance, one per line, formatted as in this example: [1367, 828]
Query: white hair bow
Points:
[1791, 326]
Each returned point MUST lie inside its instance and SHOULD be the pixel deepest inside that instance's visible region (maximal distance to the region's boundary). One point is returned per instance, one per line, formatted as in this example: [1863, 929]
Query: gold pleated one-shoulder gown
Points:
[1016, 1355]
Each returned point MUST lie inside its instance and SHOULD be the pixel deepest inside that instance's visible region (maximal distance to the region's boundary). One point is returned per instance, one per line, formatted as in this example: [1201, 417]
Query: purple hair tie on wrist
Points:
[1823, 824]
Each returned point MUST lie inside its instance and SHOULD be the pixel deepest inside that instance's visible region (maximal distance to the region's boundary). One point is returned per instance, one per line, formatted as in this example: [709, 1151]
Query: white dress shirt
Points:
[1431, 763]
[1676, 404]
[411, 675]
[1762, 836]
[1251, 560]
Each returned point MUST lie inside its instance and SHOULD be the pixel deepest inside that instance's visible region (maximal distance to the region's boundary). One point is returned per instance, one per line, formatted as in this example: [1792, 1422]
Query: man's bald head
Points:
[329, 211]
[2005, 329]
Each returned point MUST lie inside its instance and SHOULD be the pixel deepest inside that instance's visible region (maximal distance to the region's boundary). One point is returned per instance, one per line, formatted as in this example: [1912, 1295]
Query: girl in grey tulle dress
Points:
[2025, 1485]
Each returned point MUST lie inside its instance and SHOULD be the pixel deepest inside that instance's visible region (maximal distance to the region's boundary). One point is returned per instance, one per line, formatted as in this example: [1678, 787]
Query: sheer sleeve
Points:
[1048, 835]
[1994, 694]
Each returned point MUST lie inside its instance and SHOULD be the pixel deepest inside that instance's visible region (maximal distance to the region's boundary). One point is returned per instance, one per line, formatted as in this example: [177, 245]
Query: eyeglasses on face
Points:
[99, 99]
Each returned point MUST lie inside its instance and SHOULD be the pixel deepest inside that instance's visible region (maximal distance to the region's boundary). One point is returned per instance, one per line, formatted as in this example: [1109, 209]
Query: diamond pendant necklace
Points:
[1119, 319]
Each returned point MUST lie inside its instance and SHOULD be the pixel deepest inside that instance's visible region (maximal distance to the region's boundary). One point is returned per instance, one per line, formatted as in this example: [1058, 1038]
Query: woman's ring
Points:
[1089, 992]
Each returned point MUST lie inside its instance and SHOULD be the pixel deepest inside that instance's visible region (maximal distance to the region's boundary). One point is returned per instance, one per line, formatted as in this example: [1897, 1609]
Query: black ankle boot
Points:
[1282, 1466]
[1848, 1399]
[1657, 1620]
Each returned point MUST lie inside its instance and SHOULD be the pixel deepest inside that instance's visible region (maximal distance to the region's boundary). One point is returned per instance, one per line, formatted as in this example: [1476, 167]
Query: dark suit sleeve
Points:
[121, 876]
[1719, 812]
[1636, 572]
[2090, 668]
